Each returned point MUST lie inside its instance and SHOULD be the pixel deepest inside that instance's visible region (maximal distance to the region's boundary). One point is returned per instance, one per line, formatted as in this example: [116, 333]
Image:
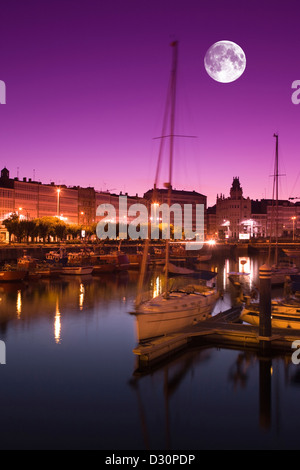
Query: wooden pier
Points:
[223, 330]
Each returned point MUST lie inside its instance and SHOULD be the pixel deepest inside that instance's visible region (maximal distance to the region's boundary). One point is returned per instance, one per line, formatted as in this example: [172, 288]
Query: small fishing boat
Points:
[135, 260]
[32, 276]
[26, 263]
[12, 275]
[77, 270]
[47, 272]
[118, 259]
[104, 267]
[284, 314]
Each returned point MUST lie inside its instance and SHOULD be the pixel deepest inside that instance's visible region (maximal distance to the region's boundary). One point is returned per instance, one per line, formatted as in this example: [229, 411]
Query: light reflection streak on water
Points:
[57, 324]
[157, 287]
[19, 304]
[81, 296]
[225, 273]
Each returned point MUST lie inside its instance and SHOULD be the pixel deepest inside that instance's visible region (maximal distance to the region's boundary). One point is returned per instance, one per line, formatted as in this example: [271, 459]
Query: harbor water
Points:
[71, 380]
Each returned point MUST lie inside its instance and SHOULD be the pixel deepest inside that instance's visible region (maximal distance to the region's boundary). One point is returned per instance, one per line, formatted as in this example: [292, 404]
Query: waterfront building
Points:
[181, 197]
[86, 206]
[258, 221]
[31, 199]
[105, 197]
[241, 218]
[233, 213]
[7, 195]
[211, 218]
[288, 215]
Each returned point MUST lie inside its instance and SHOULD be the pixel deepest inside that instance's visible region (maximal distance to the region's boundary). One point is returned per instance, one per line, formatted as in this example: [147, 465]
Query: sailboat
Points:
[173, 309]
[285, 267]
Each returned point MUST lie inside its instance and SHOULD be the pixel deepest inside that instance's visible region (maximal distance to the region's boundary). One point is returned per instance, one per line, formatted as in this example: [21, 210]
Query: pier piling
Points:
[265, 322]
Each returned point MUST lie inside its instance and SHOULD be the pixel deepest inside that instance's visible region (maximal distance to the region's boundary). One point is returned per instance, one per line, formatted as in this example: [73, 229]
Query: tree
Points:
[11, 225]
[44, 226]
[60, 229]
[74, 230]
[29, 228]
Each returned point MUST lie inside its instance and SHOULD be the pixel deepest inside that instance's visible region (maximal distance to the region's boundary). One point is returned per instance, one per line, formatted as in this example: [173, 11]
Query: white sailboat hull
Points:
[162, 316]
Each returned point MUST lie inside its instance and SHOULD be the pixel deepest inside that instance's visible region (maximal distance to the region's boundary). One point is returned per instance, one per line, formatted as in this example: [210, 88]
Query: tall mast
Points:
[169, 113]
[276, 182]
[173, 103]
[172, 135]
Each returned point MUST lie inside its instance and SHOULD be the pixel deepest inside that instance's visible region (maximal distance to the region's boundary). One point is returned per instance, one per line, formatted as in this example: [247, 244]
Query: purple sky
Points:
[87, 80]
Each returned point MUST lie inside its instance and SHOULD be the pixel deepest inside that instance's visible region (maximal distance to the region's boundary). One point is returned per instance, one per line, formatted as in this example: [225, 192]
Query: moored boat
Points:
[135, 260]
[118, 259]
[180, 270]
[283, 269]
[26, 263]
[48, 272]
[103, 268]
[77, 270]
[292, 252]
[161, 316]
[32, 276]
[12, 275]
[284, 314]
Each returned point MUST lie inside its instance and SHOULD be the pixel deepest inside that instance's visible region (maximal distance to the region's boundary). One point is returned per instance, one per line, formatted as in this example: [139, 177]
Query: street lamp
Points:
[58, 197]
[293, 219]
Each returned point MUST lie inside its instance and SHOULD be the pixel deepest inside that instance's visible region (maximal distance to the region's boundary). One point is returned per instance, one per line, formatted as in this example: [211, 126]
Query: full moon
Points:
[225, 61]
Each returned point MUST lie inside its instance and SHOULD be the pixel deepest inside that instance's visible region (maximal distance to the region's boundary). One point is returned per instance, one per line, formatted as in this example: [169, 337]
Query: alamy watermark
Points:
[296, 354]
[2, 92]
[2, 353]
[296, 94]
[144, 226]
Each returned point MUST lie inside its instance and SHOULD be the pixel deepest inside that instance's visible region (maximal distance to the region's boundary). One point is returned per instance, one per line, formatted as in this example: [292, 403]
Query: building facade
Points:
[238, 217]
[181, 198]
[233, 212]
[31, 200]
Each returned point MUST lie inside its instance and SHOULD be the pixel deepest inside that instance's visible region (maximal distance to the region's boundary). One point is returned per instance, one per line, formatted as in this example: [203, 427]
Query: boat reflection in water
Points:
[69, 343]
[185, 380]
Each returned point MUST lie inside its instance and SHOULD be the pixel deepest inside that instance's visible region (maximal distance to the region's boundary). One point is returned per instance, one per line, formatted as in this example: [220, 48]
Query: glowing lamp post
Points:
[58, 201]
[293, 219]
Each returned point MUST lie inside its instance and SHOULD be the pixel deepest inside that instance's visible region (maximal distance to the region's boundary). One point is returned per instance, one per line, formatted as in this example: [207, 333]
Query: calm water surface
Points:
[71, 378]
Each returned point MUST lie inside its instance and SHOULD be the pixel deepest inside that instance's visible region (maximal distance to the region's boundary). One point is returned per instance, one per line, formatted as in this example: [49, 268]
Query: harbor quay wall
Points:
[10, 253]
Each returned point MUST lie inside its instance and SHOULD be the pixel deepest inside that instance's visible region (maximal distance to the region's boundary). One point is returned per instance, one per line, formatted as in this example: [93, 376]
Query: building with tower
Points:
[233, 214]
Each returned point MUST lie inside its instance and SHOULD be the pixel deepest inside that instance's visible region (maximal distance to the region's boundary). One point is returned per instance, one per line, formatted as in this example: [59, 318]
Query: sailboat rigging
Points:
[174, 310]
[280, 269]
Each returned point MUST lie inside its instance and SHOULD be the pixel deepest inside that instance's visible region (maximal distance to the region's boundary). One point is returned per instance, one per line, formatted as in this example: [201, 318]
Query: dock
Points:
[221, 330]
[226, 330]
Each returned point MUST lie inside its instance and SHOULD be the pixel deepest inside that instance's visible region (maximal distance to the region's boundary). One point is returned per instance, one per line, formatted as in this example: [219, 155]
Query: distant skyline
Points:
[86, 84]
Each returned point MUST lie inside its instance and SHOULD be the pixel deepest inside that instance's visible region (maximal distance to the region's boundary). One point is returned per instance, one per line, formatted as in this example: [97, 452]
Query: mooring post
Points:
[265, 321]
